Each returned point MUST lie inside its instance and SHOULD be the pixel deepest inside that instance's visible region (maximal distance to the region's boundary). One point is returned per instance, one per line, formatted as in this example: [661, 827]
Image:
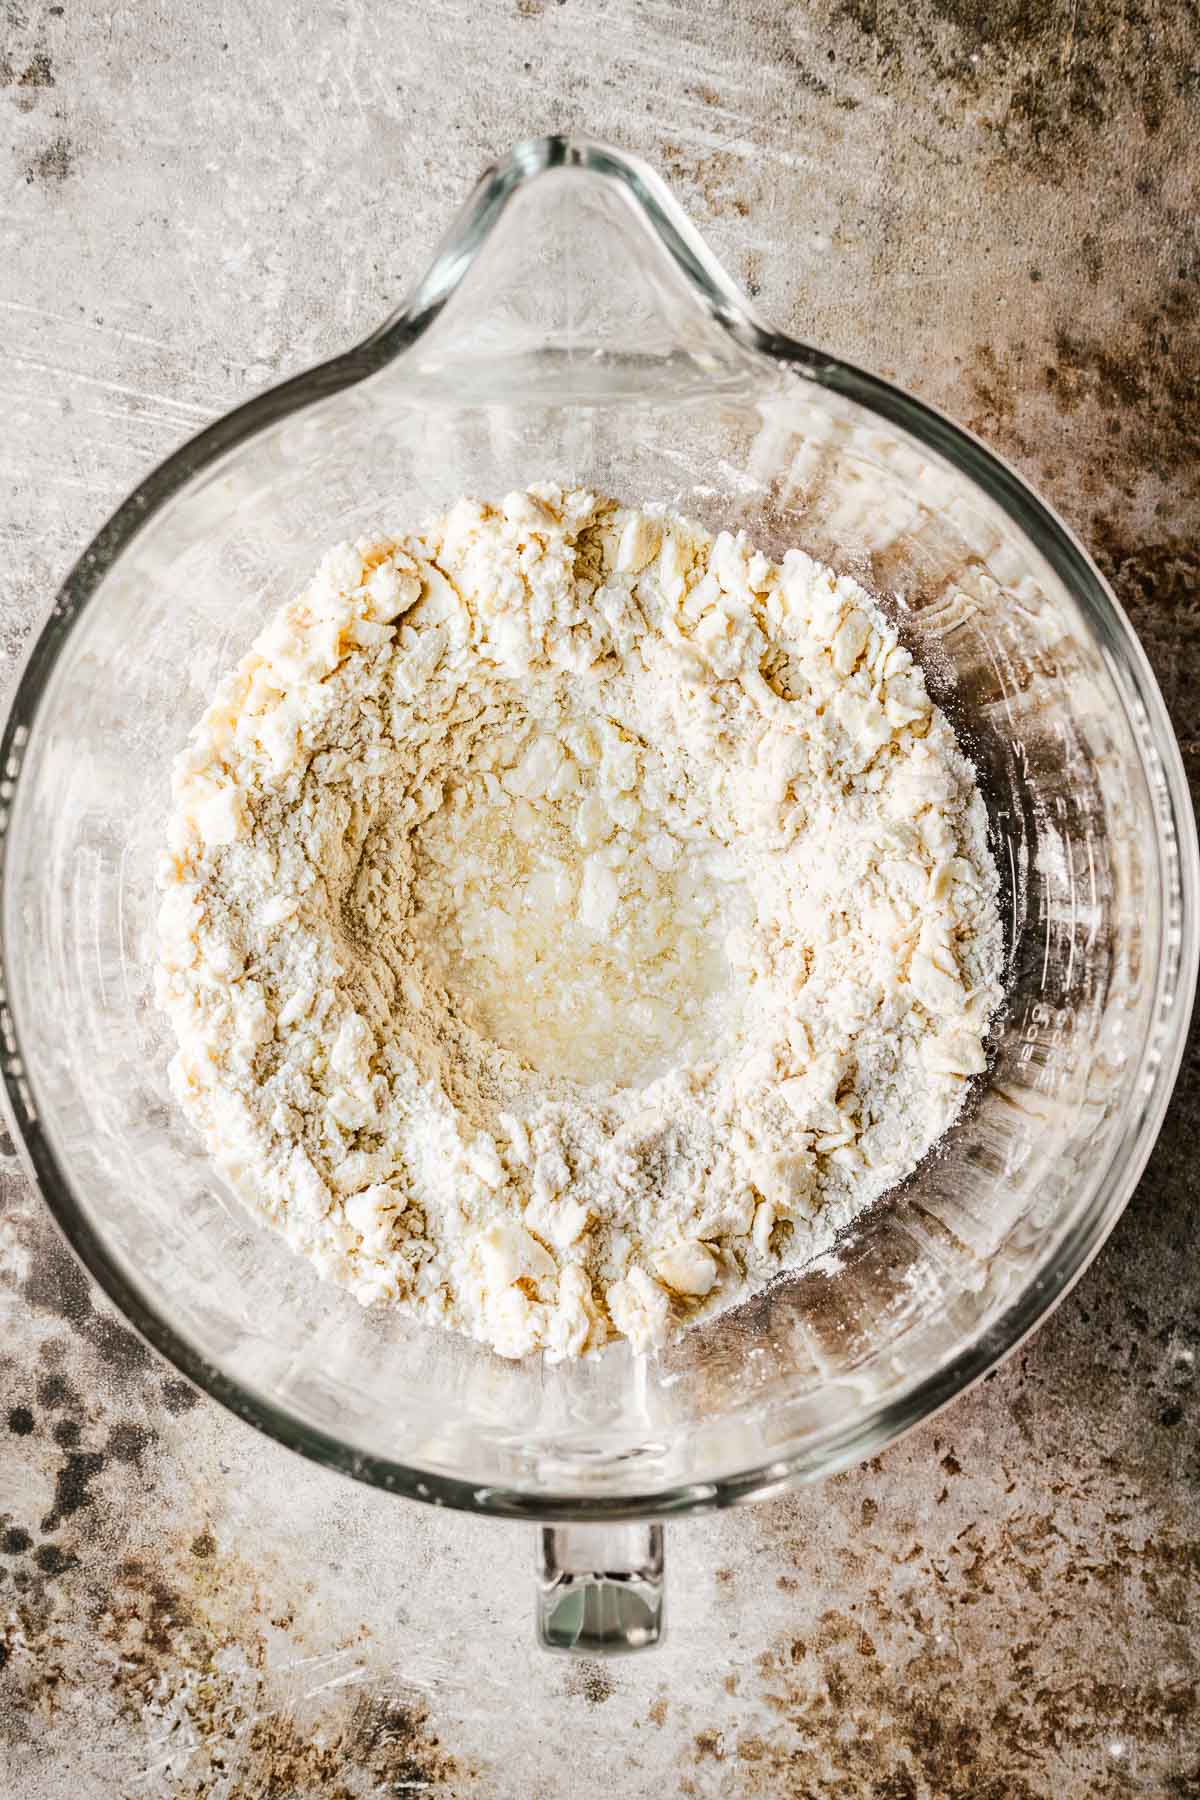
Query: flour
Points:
[571, 919]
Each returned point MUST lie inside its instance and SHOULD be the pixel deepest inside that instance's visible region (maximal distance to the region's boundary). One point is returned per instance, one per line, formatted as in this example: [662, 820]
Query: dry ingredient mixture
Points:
[571, 918]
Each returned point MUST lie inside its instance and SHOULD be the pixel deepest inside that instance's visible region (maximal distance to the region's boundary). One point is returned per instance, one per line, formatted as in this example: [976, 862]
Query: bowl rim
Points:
[867, 1433]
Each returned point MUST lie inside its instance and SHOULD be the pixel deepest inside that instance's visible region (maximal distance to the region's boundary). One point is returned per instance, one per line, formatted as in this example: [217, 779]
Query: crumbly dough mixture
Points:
[570, 919]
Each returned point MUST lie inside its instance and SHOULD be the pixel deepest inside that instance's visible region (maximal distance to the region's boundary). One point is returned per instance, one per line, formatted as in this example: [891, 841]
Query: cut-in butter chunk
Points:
[508, 1253]
[687, 1268]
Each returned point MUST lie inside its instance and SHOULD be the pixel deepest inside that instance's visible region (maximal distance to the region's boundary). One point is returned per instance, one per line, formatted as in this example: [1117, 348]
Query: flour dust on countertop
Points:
[570, 919]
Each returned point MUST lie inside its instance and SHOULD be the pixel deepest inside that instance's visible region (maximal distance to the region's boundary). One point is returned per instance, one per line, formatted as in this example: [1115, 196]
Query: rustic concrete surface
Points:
[997, 206]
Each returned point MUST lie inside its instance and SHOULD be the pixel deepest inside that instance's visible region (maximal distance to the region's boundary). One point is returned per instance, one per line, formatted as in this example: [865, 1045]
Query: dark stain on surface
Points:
[1130, 390]
[52, 1559]
[590, 1681]
[1044, 80]
[947, 37]
[52, 166]
[389, 1743]
[162, 1613]
[919, 1729]
[159, 1613]
[72, 1489]
[128, 1442]
[20, 1421]
[119, 1348]
[983, 23]
[798, 60]
[709, 1745]
[1157, 580]
[1046, 111]
[57, 1285]
[179, 1397]
[38, 71]
[396, 1745]
[55, 1391]
[26, 76]
[1092, 258]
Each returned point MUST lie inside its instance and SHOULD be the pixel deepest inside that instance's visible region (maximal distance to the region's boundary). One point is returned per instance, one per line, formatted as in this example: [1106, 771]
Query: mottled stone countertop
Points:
[997, 206]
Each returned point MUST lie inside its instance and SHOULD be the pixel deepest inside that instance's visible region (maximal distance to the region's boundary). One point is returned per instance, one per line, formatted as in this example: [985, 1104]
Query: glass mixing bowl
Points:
[573, 326]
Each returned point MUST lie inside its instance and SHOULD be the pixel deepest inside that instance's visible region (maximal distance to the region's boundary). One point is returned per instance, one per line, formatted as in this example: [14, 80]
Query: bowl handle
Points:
[600, 1588]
